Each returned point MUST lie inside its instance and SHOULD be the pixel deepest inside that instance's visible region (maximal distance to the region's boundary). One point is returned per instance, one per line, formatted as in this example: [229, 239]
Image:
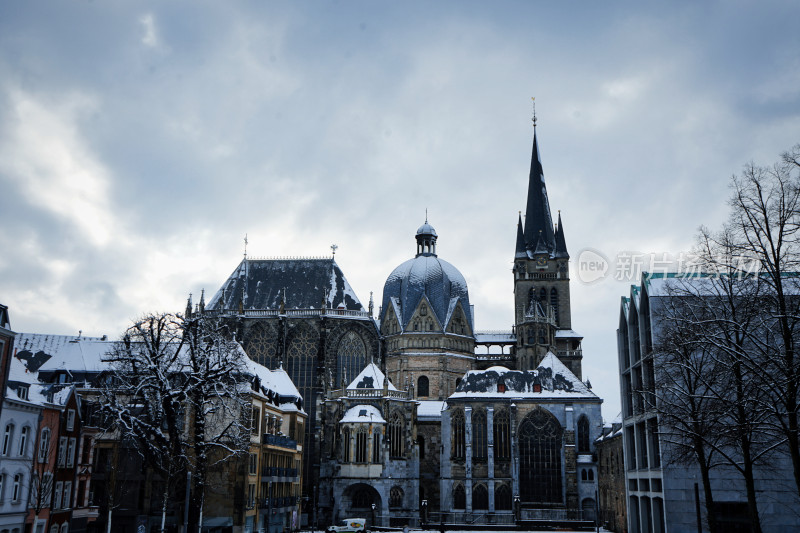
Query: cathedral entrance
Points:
[364, 502]
[540, 458]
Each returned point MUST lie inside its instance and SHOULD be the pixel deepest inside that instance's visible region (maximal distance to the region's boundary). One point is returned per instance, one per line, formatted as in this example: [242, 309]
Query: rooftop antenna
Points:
[533, 99]
[245, 245]
[334, 248]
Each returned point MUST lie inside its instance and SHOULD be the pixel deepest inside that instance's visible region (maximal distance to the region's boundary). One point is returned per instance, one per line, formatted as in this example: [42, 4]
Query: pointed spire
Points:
[537, 213]
[541, 246]
[561, 243]
[371, 305]
[189, 306]
[520, 252]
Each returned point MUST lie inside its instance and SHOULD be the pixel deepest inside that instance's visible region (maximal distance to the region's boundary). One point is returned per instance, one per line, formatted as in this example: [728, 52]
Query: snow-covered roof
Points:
[553, 378]
[277, 381]
[61, 352]
[363, 413]
[494, 336]
[370, 378]
[430, 410]
[568, 334]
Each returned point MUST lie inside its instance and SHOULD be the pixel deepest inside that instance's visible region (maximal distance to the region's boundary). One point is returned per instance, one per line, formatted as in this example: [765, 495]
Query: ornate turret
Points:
[426, 239]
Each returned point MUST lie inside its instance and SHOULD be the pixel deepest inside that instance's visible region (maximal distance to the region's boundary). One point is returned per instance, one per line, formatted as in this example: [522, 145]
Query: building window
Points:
[70, 419]
[421, 446]
[16, 490]
[502, 440]
[351, 357]
[423, 386]
[7, 439]
[459, 497]
[71, 452]
[396, 436]
[66, 497]
[376, 447]
[583, 434]
[479, 443]
[554, 302]
[457, 429]
[62, 451]
[65, 527]
[22, 392]
[346, 445]
[591, 475]
[44, 445]
[256, 422]
[57, 495]
[584, 477]
[253, 463]
[480, 497]
[502, 498]
[251, 495]
[23, 439]
[540, 458]
[361, 445]
[396, 497]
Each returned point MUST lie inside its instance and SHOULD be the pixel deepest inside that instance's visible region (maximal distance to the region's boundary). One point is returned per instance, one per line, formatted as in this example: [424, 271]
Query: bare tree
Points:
[765, 220]
[180, 395]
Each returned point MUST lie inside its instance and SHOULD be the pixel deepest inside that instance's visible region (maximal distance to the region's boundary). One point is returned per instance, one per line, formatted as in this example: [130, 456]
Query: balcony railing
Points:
[371, 393]
[279, 440]
[291, 312]
[274, 471]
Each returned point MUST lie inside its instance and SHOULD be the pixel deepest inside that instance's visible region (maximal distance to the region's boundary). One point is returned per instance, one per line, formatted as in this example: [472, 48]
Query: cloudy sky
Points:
[140, 142]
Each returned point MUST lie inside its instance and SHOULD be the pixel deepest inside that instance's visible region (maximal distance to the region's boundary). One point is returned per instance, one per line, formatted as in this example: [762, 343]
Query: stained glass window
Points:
[502, 440]
[540, 458]
[457, 431]
[479, 444]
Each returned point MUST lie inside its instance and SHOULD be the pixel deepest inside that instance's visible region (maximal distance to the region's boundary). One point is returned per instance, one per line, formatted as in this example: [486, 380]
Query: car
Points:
[349, 525]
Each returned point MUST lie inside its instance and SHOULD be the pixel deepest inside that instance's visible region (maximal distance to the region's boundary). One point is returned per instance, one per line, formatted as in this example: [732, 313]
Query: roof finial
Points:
[533, 99]
[245, 245]
[426, 215]
[334, 248]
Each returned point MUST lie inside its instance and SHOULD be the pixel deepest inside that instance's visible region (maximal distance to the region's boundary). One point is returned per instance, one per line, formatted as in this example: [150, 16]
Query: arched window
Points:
[583, 474]
[361, 445]
[346, 445]
[23, 439]
[421, 446]
[554, 301]
[350, 357]
[502, 436]
[396, 497]
[480, 497]
[459, 497]
[502, 498]
[591, 475]
[583, 434]
[376, 446]
[7, 439]
[457, 431]
[16, 491]
[396, 448]
[479, 444]
[362, 499]
[540, 444]
[543, 297]
[422, 386]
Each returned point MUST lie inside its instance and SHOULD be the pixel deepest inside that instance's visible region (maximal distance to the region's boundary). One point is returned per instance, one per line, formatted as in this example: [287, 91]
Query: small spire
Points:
[520, 251]
[189, 306]
[334, 248]
[202, 300]
[371, 304]
[533, 99]
[245, 245]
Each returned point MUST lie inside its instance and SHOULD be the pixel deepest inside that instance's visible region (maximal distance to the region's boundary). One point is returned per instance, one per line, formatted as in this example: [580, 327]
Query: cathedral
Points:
[413, 415]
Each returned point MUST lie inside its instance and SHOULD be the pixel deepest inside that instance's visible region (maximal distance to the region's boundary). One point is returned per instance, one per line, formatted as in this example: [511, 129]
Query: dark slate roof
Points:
[561, 243]
[435, 278]
[537, 213]
[260, 283]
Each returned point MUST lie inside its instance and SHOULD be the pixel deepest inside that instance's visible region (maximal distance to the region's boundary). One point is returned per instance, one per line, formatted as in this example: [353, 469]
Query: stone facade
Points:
[611, 475]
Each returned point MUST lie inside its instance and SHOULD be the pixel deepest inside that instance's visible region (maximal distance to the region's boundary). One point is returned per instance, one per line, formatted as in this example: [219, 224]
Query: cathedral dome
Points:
[426, 275]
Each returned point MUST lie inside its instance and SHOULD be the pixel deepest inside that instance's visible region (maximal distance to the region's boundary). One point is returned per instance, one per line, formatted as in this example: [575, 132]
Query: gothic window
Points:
[583, 434]
[361, 445]
[591, 475]
[502, 498]
[459, 497]
[422, 386]
[479, 444]
[396, 448]
[541, 335]
[543, 296]
[457, 430]
[396, 497]
[362, 499]
[502, 436]
[376, 447]
[540, 458]
[480, 497]
[583, 474]
[346, 445]
[350, 357]
[554, 301]
[421, 446]
[261, 344]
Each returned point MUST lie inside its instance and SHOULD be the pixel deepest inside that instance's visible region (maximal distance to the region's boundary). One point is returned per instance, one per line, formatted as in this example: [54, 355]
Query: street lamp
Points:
[373, 514]
[516, 508]
[424, 512]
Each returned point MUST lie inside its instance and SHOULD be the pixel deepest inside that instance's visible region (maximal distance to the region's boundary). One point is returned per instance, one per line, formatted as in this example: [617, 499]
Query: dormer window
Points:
[22, 392]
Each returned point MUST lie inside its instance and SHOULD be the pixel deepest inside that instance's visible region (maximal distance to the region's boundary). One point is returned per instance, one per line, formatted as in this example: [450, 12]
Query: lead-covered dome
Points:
[426, 275]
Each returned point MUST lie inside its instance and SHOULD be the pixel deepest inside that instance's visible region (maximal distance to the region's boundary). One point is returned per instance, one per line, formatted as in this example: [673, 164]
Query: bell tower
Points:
[542, 314]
